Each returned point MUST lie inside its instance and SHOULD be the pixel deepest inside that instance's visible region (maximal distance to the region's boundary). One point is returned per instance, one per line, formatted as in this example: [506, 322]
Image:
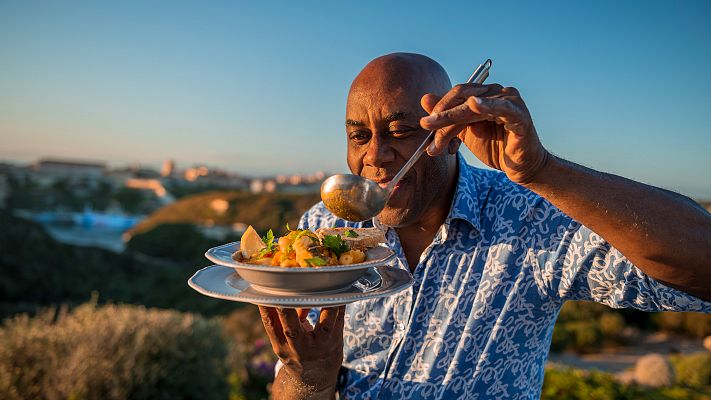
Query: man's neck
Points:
[415, 237]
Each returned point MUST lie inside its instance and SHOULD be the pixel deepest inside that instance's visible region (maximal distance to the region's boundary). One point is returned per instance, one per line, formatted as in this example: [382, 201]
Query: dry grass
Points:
[112, 352]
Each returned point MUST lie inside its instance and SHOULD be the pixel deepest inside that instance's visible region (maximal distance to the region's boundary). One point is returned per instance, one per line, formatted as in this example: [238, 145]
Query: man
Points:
[494, 254]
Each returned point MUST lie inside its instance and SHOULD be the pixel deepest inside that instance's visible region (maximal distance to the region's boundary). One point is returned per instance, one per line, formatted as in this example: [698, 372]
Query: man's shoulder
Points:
[493, 185]
[500, 197]
[318, 216]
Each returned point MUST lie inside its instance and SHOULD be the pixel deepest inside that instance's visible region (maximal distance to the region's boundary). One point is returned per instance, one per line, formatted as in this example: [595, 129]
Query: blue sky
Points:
[260, 87]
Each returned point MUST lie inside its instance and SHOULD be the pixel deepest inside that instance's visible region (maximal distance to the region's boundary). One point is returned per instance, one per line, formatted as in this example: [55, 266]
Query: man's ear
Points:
[454, 145]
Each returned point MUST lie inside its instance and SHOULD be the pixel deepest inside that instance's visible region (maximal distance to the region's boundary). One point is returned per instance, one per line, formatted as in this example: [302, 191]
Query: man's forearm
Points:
[665, 234]
[285, 387]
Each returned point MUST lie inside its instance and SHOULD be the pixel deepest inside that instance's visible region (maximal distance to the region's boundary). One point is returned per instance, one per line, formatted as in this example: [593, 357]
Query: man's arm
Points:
[664, 234]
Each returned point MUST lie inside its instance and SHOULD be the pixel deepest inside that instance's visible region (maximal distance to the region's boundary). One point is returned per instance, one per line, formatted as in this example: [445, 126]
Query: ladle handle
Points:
[479, 76]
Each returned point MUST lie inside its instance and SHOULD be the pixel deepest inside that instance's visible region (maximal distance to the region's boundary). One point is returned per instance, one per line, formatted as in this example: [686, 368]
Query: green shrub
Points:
[573, 384]
[690, 323]
[112, 352]
[561, 338]
[585, 326]
[570, 384]
[251, 357]
[38, 272]
[693, 370]
[579, 336]
[178, 242]
[611, 326]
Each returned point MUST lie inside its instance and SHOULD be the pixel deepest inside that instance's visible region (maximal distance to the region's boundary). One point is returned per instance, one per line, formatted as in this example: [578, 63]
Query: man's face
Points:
[383, 131]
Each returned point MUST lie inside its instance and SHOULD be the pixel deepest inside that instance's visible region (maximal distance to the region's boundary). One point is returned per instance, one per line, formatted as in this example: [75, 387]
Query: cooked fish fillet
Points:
[367, 237]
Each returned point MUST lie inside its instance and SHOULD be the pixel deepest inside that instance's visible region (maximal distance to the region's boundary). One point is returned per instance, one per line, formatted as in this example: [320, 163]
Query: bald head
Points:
[400, 74]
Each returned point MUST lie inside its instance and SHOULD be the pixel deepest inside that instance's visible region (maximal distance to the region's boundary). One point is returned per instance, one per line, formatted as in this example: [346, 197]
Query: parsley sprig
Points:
[350, 233]
[335, 243]
[270, 248]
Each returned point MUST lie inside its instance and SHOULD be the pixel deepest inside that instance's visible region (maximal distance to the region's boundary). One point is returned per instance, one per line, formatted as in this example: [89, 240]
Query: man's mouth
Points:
[383, 183]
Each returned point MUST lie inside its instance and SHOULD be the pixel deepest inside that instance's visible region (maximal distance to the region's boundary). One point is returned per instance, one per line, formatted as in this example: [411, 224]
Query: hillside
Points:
[263, 211]
[38, 271]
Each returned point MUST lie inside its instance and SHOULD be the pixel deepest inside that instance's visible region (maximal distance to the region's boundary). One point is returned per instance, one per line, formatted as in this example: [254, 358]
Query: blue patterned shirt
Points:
[478, 322]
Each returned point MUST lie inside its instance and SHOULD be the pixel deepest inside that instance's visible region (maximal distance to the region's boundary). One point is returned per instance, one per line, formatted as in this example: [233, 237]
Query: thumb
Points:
[429, 101]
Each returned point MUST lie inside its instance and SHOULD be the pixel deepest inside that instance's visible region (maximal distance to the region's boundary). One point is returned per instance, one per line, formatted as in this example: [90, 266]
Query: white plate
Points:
[300, 280]
[222, 255]
[226, 283]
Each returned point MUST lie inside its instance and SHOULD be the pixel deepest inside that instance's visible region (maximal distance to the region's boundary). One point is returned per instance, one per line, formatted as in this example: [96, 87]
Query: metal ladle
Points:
[355, 198]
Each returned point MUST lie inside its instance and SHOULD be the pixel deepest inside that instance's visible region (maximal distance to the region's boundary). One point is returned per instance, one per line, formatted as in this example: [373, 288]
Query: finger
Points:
[328, 319]
[340, 321]
[291, 325]
[461, 114]
[442, 138]
[429, 101]
[503, 109]
[303, 318]
[460, 93]
[303, 313]
[482, 130]
[272, 326]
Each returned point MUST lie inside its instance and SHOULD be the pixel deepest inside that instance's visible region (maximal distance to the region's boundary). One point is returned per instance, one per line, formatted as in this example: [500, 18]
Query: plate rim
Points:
[302, 302]
[209, 254]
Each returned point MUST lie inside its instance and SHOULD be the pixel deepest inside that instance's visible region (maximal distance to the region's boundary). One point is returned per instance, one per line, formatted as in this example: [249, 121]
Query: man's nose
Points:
[379, 152]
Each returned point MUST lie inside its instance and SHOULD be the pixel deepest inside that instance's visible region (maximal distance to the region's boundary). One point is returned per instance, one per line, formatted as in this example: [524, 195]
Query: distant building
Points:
[82, 175]
[69, 169]
[304, 188]
[154, 185]
[262, 186]
[192, 174]
[168, 168]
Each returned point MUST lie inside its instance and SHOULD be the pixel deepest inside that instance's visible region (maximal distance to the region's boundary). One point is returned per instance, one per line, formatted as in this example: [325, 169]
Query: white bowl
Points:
[299, 280]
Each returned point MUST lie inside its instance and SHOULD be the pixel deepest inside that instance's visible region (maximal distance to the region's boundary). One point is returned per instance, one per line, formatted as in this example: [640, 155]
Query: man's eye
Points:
[359, 136]
[401, 132]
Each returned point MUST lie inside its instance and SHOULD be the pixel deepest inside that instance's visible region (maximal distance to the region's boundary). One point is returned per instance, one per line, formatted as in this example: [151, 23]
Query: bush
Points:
[251, 357]
[689, 323]
[579, 336]
[572, 384]
[612, 326]
[569, 384]
[179, 242]
[693, 370]
[112, 352]
[69, 274]
[584, 326]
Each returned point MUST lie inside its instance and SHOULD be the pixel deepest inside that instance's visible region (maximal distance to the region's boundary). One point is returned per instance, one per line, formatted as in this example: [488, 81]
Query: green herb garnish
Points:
[350, 233]
[302, 232]
[268, 240]
[287, 227]
[336, 244]
[315, 262]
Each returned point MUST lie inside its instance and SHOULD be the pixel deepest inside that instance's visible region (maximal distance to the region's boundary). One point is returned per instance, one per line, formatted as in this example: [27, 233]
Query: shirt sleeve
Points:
[581, 265]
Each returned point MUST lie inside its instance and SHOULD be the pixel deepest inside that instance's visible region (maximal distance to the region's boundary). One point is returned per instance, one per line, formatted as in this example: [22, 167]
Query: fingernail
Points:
[476, 100]
[431, 148]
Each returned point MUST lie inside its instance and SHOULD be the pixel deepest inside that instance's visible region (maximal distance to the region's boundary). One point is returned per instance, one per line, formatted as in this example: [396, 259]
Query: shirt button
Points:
[401, 326]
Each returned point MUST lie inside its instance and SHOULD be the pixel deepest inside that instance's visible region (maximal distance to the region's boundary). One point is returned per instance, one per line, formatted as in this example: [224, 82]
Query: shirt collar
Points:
[465, 205]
